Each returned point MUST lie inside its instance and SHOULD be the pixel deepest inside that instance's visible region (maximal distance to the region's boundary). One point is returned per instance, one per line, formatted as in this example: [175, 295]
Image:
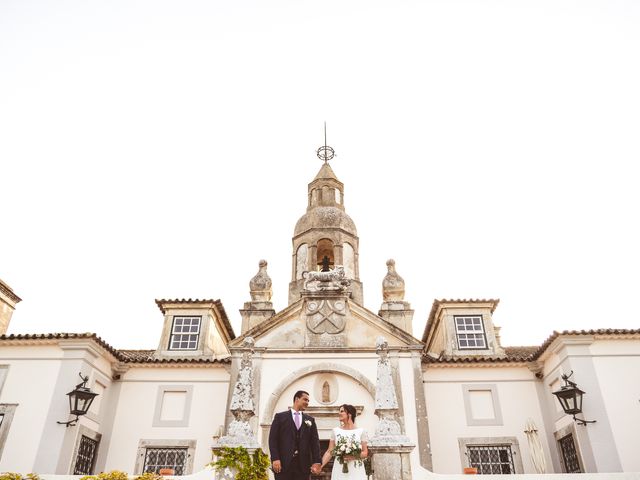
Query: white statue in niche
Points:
[326, 392]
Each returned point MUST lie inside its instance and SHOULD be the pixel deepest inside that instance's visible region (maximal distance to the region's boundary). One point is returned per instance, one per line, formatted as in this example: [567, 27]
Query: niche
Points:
[325, 249]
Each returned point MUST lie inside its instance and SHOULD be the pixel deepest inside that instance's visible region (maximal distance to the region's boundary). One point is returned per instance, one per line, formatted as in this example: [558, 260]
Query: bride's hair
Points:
[351, 410]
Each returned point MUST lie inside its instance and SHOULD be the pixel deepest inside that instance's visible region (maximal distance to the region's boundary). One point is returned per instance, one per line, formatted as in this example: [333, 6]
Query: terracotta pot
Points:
[470, 471]
[167, 471]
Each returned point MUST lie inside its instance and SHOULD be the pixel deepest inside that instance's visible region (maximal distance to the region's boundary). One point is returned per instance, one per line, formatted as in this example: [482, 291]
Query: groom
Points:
[294, 443]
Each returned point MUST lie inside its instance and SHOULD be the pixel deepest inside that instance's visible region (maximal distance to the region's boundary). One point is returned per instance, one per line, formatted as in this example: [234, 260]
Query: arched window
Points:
[349, 260]
[301, 260]
[325, 249]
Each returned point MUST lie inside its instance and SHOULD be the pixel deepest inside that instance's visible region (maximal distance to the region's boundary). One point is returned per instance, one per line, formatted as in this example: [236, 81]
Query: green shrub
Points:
[247, 466]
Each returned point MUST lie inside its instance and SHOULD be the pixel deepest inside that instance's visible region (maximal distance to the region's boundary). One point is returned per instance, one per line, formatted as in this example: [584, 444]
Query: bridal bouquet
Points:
[347, 447]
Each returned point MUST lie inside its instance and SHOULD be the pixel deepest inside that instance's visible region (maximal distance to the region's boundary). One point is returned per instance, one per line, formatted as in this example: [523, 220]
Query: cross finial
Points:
[325, 153]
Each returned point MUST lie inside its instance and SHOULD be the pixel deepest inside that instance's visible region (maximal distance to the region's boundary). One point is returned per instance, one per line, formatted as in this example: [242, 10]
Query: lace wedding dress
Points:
[355, 472]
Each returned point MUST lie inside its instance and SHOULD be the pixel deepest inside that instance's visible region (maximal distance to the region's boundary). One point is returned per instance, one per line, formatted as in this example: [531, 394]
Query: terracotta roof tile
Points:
[124, 356]
[526, 353]
[600, 331]
[512, 355]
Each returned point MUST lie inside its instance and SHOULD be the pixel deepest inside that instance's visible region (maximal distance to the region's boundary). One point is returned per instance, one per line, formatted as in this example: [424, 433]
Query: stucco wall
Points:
[136, 410]
[617, 363]
[448, 417]
[30, 382]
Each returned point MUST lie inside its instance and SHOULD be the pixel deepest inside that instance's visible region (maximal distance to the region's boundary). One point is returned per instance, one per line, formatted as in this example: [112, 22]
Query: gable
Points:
[326, 322]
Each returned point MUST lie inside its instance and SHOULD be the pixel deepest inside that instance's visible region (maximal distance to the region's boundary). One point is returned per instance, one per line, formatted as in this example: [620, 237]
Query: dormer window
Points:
[470, 332]
[185, 333]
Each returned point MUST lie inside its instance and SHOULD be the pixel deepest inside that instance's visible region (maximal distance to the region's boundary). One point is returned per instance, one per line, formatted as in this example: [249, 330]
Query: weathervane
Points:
[325, 153]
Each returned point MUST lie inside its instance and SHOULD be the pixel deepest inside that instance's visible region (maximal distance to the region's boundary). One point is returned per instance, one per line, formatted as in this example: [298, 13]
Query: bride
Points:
[347, 430]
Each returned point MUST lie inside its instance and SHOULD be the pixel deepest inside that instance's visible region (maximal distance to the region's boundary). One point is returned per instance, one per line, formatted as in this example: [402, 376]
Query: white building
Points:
[464, 399]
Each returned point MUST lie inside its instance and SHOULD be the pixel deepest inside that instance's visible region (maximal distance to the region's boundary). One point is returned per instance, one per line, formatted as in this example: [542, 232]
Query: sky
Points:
[159, 149]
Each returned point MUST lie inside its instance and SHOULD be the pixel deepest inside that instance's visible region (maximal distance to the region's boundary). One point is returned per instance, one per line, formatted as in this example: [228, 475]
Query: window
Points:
[491, 455]
[7, 410]
[569, 454]
[86, 458]
[157, 458]
[185, 333]
[491, 459]
[470, 332]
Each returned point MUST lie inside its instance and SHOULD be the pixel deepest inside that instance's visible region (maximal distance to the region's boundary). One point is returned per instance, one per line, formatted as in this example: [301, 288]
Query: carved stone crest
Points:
[326, 316]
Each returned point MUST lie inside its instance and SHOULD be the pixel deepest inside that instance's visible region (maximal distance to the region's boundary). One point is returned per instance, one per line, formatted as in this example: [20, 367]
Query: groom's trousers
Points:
[294, 472]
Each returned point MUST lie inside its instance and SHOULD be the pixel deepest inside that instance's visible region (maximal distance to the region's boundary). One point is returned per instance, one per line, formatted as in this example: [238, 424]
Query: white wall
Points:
[617, 364]
[134, 416]
[448, 422]
[30, 382]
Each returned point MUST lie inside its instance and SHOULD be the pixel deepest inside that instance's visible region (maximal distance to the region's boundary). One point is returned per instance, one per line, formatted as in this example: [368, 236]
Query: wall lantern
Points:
[570, 398]
[80, 400]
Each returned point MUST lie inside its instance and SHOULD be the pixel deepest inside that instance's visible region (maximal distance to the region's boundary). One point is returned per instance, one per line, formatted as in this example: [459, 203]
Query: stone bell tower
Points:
[325, 236]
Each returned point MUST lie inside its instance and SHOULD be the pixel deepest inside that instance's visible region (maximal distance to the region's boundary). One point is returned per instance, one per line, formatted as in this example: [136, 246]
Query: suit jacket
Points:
[282, 441]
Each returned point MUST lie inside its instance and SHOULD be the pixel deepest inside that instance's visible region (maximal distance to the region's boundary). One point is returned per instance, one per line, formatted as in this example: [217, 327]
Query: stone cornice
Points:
[9, 293]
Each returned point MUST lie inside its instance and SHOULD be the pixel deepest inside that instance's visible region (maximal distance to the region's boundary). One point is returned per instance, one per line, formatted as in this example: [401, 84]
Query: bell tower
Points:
[325, 236]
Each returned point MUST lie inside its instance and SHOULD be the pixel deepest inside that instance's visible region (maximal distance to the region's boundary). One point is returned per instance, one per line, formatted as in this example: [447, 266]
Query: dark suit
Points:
[285, 439]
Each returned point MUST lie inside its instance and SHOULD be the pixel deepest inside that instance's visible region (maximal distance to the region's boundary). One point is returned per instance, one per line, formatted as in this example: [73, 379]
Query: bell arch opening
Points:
[325, 257]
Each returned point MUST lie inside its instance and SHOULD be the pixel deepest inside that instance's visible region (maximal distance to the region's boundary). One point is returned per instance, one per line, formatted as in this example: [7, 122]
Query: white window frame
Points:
[475, 332]
[190, 333]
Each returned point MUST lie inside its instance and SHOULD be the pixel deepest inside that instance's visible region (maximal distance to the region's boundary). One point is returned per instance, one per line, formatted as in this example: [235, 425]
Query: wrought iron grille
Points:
[157, 458]
[491, 459]
[569, 454]
[86, 456]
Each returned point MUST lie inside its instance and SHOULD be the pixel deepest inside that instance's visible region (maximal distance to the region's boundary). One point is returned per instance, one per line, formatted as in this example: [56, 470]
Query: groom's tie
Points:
[296, 416]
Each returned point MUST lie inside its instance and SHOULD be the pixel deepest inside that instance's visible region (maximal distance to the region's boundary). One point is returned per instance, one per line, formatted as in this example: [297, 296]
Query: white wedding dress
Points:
[355, 472]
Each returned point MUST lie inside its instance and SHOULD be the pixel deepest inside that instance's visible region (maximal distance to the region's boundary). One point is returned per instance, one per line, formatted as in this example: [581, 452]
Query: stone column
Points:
[389, 446]
[239, 432]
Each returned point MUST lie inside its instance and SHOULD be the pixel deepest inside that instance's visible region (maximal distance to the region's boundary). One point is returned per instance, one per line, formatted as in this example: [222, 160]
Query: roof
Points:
[599, 331]
[512, 355]
[526, 353]
[325, 172]
[218, 306]
[8, 291]
[124, 356]
[437, 303]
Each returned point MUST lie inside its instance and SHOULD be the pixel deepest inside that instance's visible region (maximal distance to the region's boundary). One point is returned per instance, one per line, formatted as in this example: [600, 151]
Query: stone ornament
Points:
[388, 431]
[260, 285]
[334, 280]
[326, 316]
[242, 406]
[393, 284]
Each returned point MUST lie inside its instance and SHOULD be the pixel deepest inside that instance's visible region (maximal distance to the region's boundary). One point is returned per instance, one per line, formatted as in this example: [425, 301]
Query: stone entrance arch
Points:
[324, 367]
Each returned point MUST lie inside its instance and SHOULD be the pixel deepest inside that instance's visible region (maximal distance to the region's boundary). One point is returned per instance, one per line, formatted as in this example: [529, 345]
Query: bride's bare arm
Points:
[327, 455]
[365, 450]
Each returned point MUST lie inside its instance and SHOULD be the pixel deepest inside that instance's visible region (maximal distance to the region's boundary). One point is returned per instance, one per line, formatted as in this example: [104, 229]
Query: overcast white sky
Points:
[159, 149]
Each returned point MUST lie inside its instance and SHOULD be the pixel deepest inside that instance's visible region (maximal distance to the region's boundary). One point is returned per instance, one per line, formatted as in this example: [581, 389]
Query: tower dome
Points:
[325, 236]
